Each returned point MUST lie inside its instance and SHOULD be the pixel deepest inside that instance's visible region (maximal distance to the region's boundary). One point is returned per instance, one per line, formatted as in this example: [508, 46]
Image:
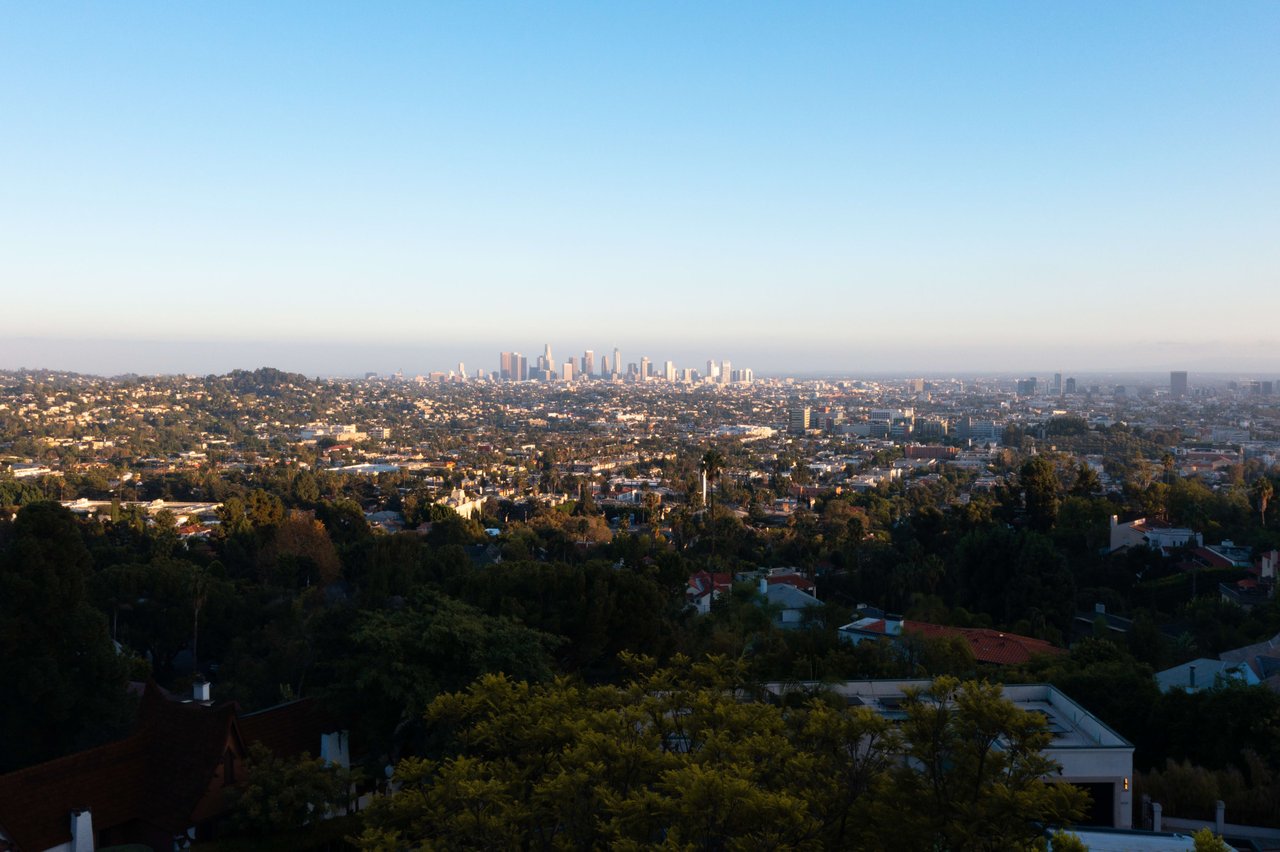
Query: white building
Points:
[1091, 755]
[1142, 532]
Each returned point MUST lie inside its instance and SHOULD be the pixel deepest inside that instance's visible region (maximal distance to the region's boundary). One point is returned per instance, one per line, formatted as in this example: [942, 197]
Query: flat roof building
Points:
[1092, 756]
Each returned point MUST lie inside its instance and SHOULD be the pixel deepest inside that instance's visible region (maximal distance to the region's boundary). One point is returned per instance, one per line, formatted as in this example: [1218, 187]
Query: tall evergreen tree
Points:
[65, 682]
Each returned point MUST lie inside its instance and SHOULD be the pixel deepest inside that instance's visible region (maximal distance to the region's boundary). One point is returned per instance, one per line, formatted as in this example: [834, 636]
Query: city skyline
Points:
[106, 357]
[885, 188]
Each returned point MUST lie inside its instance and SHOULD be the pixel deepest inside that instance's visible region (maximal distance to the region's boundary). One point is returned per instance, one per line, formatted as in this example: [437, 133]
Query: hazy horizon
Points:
[344, 359]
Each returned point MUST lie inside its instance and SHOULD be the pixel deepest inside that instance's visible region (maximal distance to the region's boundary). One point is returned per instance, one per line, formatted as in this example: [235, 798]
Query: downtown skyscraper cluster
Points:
[515, 367]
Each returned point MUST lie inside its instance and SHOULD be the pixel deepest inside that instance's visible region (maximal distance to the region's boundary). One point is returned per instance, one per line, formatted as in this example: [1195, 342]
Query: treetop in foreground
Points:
[684, 758]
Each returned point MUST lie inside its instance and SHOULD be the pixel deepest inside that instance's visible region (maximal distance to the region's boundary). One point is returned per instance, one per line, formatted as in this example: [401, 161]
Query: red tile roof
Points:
[702, 581]
[800, 582]
[163, 775]
[157, 775]
[989, 646]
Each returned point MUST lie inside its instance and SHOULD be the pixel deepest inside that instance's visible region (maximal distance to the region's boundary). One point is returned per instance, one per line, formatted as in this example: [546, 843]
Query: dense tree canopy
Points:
[679, 756]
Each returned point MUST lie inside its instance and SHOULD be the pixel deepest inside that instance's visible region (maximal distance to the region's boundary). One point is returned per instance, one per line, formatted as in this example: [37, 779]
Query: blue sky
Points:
[915, 186]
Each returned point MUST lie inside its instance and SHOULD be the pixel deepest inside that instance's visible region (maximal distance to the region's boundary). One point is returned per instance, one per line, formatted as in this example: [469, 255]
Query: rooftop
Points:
[1070, 724]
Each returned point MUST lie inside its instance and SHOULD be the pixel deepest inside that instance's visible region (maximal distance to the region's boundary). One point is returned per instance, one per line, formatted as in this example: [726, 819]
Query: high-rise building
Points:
[711, 370]
[546, 364]
[748, 375]
[669, 371]
[506, 366]
[1178, 383]
[1027, 387]
[1057, 383]
[1070, 387]
[644, 368]
[567, 370]
[588, 363]
[726, 372]
[462, 371]
[798, 421]
[617, 362]
[521, 368]
[604, 366]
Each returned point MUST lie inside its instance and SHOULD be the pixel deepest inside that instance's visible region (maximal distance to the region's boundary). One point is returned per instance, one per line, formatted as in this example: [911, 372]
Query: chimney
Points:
[764, 586]
[200, 691]
[1191, 670]
[1100, 608]
[334, 749]
[82, 831]
[892, 624]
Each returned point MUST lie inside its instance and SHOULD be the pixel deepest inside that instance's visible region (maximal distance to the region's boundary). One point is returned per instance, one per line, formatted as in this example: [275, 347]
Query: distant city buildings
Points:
[1178, 383]
[513, 367]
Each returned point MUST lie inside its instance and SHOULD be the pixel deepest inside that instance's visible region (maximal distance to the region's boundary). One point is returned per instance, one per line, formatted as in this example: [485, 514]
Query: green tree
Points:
[1087, 483]
[975, 776]
[1206, 841]
[400, 659]
[56, 654]
[286, 794]
[676, 757]
[1040, 487]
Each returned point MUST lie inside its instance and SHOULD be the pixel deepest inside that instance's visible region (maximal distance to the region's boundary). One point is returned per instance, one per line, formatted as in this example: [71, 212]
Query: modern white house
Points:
[1145, 533]
[1092, 756]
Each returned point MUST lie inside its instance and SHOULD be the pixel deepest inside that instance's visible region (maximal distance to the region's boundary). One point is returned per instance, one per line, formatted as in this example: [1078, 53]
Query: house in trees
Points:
[704, 587]
[1088, 622]
[788, 600]
[163, 786]
[1150, 533]
[788, 591]
[1092, 756]
[997, 647]
[1256, 589]
[1261, 658]
[1203, 674]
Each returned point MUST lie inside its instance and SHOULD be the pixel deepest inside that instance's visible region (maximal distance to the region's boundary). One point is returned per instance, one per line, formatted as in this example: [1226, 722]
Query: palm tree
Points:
[1263, 491]
[711, 464]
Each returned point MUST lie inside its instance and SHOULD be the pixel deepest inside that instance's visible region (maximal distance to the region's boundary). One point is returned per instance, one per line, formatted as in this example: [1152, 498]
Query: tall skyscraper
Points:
[669, 371]
[604, 366]
[1178, 383]
[521, 368]
[588, 363]
[712, 370]
[726, 372]
[644, 368]
[617, 361]
[508, 367]
[567, 371]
